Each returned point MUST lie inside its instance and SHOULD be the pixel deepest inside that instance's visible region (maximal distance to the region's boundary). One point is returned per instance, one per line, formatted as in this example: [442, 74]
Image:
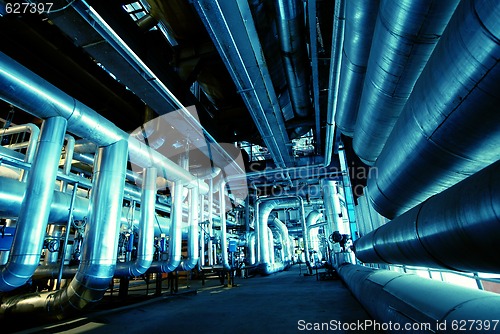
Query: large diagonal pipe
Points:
[458, 229]
[35, 208]
[405, 36]
[29, 92]
[448, 129]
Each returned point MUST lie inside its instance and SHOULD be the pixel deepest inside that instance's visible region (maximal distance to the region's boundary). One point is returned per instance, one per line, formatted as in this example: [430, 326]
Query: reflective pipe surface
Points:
[360, 18]
[281, 227]
[175, 233]
[448, 129]
[193, 232]
[290, 22]
[100, 246]
[406, 33]
[334, 77]
[69, 149]
[27, 91]
[222, 215]
[251, 248]
[311, 220]
[145, 244]
[413, 301]
[458, 229]
[35, 209]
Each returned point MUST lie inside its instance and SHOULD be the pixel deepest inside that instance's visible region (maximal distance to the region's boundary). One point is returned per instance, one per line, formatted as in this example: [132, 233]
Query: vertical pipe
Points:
[35, 208]
[175, 233]
[70, 149]
[100, 247]
[210, 217]
[202, 231]
[193, 232]
[222, 213]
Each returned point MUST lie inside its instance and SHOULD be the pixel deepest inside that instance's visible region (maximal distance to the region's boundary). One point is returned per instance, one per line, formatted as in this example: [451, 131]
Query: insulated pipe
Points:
[35, 208]
[360, 18]
[145, 245]
[449, 125]
[27, 91]
[270, 238]
[334, 77]
[193, 232]
[332, 214]
[202, 231]
[289, 15]
[458, 229]
[311, 220]
[210, 246]
[263, 209]
[405, 36]
[175, 233]
[251, 248]
[30, 150]
[403, 301]
[284, 237]
[69, 148]
[222, 214]
[100, 246]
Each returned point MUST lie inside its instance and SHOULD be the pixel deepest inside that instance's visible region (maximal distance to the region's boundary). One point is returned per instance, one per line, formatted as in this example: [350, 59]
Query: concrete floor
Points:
[285, 302]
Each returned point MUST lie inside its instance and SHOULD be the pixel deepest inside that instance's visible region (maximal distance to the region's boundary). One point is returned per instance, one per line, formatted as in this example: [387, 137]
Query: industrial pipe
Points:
[251, 248]
[289, 15]
[175, 233]
[448, 129]
[458, 229]
[281, 227]
[27, 91]
[360, 18]
[35, 208]
[222, 215]
[401, 302]
[145, 244]
[405, 36]
[193, 232]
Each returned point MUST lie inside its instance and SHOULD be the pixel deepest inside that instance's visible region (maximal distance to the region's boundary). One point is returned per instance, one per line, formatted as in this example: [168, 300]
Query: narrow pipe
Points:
[35, 209]
[285, 239]
[403, 300]
[193, 232]
[68, 159]
[251, 248]
[334, 77]
[458, 229]
[30, 150]
[270, 238]
[222, 213]
[449, 125]
[175, 233]
[311, 220]
[210, 247]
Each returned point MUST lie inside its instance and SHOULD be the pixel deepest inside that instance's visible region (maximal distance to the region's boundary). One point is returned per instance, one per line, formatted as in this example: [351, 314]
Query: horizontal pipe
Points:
[31, 93]
[458, 229]
[405, 301]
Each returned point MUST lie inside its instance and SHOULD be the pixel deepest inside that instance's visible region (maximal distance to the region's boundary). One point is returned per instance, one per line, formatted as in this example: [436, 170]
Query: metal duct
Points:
[100, 246]
[290, 16]
[458, 229]
[175, 233]
[405, 36]
[35, 209]
[193, 232]
[283, 230]
[145, 244]
[402, 301]
[334, 77]
[27, 91]
[360, 18]
[448, 129]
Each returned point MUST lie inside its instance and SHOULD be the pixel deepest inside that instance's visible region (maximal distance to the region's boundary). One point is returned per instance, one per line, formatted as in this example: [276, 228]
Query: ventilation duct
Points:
[448, 129]
[458, 229]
